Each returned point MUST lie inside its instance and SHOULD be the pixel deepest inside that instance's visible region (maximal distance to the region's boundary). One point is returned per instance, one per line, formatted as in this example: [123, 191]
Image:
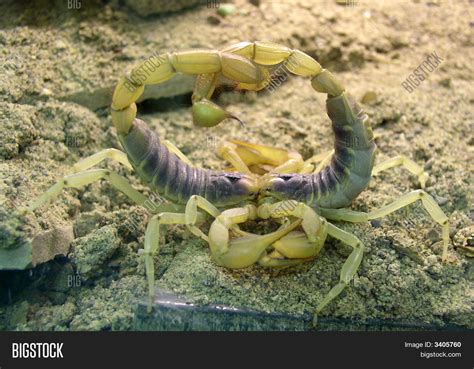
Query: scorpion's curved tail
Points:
[350, 169]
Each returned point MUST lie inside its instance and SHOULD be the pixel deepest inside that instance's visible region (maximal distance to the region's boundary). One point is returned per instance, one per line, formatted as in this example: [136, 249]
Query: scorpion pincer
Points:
[264, 182]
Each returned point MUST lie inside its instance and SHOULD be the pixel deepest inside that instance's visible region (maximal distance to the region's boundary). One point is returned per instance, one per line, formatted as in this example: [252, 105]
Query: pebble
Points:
[46, 92]
[446, 82]
[59, 45]
[375, 223]
[433, 235]
[226, 9]
[441, 200]
[369, 97]
[432, 260]
[212, 19]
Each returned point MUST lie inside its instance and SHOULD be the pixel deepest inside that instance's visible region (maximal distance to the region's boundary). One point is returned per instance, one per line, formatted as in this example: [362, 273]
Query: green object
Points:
[226, 9]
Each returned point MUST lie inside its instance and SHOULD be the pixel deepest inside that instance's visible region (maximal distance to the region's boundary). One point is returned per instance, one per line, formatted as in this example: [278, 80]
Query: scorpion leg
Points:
[408, 164]
[228, 151]
[152, 244]
[190, 217]
[191, 214]
[427, 201]
[84, 178]
[243, 251]
[349, 268]
[100, 156]
[249, 158]
[323, 159]
[171, 147]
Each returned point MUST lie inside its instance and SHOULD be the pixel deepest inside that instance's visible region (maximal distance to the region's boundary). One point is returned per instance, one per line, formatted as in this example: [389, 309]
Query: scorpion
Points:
[264, 182]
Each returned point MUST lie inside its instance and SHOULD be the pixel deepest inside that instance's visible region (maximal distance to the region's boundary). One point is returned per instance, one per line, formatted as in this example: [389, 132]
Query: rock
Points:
[51, 318]
[212, 19]
[18, 314]
[18, 128]
[369, 97]
[441, 200]
[464, 240]
[431, 259]
[18, 251]
[51, 243]
[86, 223]
[92, 251]
[445, 82]
[12, 229]
[375, 223]
[59, 45]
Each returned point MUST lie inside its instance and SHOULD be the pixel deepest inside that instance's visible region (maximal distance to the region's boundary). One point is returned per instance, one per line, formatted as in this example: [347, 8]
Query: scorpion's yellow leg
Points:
[190, 217]
[427, 201]
[243, 251]
[84, 178]
[349, 268]
[152, 244]
[323, 159]
[100, 156]
[248, 158]
[296, 245]
[191, 213]
[408, 164]
[172, 148]
[228, 151]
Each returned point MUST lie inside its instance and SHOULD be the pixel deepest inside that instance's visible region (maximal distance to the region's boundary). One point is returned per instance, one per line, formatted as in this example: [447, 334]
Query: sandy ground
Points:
[58, 68]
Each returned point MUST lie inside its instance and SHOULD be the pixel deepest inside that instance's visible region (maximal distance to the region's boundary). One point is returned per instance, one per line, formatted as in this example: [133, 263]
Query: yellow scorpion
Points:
[264, 182]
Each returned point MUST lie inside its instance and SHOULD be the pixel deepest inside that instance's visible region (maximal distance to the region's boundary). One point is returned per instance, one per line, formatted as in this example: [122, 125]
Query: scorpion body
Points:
[264, 182]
